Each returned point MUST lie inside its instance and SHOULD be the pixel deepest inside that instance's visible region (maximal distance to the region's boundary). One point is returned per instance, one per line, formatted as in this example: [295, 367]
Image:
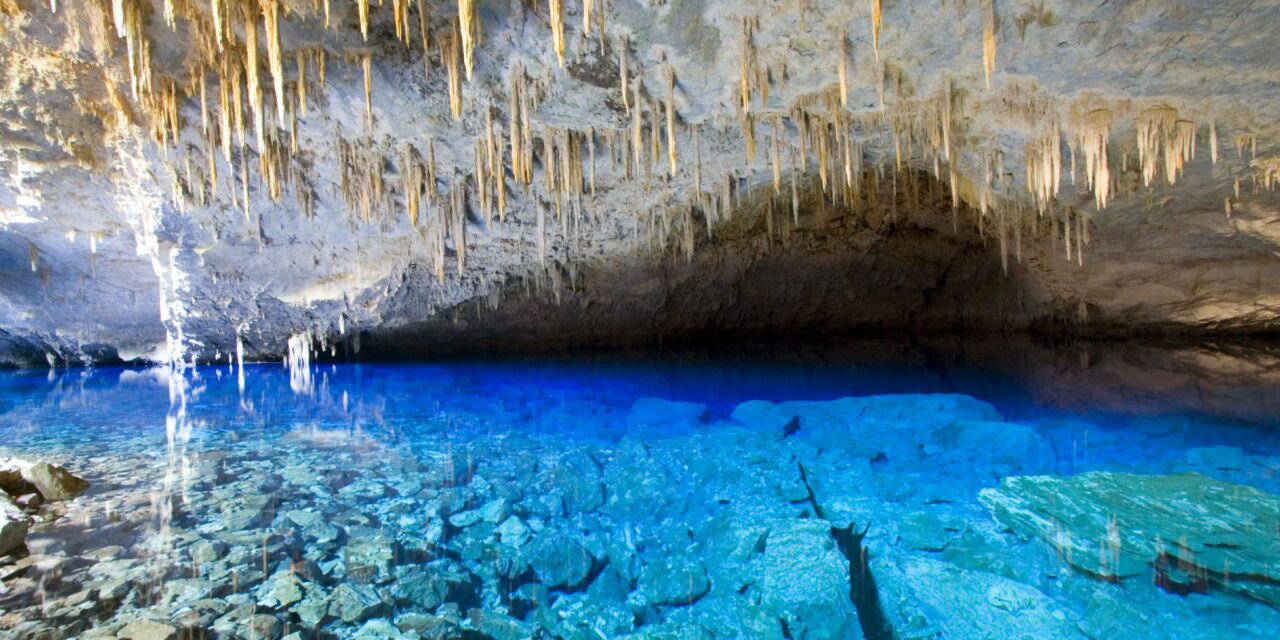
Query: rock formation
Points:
[188, 180]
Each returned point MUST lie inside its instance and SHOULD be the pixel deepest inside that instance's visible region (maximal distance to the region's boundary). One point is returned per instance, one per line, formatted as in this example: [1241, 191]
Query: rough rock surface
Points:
[114, 244]
[13, 526]
[1187, 529]
[53, 482]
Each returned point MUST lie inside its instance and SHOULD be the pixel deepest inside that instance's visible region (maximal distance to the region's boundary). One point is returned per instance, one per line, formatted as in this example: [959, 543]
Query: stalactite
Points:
[449, 51]
[254, 87]
[1213, 141]
[775, 155]
[363, 9]
[1180, 148]
[945, 117]
[749, 136]
[412, 175]
[1092, 136]
[469, 27]
[843, 72]
[1154, 129]
[876, 16]
[215, 14]
[624, 82]
[744, 82]
[300, 59]
[795, 198]
[671, 118]
[1266, 172]
[366, 63]
[513, 127]
[1044, 168]
[586, 17]
[637, 120]
[591, 153]
[988, 39]
[424, 35]
[556, 10]
[275, 57]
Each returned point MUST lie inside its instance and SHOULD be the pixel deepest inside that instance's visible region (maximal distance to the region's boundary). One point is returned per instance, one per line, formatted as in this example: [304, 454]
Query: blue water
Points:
[218, 492]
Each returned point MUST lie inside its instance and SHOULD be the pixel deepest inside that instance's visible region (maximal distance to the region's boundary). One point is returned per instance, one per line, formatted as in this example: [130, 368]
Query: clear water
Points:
[513, 499]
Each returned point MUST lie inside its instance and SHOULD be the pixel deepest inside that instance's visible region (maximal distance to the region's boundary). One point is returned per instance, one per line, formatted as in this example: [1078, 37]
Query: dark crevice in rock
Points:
[862, 585]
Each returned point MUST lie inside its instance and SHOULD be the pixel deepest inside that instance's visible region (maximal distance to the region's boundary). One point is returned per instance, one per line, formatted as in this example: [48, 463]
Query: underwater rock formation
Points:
[1189, 532]
[13, 525]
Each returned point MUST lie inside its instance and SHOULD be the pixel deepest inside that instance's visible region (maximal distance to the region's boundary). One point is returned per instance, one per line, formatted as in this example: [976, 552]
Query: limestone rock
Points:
[1122, 525]
[355, 603]
[660, 415]
[13, 526]
[804, 579]
[673, 580]
[147, 630]
[924, 598]
[558, 560]
[53, 482]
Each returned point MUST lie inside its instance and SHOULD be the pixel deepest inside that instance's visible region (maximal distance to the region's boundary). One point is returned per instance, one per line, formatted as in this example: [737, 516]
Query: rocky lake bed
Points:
[415, 513]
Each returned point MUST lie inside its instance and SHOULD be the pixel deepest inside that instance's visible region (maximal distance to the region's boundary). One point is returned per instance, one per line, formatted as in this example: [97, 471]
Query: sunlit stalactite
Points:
[1155, 131]
[556, 15]
[988, 39]
[877, 16]
[469, 28]
[450, 55]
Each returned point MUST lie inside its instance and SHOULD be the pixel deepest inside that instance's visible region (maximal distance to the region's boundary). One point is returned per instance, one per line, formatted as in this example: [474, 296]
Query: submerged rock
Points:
[147, 630]
[804, 580]
[924, 598]
[666, 415]
[355, 603]
[1189, 529]
[558, 560]
[54, 483]
[673, 580]
[13, 526]
[1005, 442]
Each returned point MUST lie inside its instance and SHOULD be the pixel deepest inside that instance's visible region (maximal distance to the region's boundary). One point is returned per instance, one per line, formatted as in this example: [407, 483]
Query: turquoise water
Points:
[806, 496]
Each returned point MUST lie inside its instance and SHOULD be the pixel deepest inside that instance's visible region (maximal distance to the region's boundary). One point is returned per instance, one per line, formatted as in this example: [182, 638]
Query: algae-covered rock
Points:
[1116, 525]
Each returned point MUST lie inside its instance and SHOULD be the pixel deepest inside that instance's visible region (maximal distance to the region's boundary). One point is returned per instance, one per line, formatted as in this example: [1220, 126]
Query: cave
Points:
[505, 319]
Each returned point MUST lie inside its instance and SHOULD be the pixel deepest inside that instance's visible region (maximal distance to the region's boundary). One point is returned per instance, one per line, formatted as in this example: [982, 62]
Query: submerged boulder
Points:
[673, 580]
[804, 580]
[666, 415]
[925, 598]
[1004, 442]
[559, 561]
[13, 526]
[54, 483]
[1189, 529]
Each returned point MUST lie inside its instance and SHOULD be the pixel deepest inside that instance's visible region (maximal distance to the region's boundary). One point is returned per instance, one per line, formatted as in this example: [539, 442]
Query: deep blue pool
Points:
[1089, 491]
